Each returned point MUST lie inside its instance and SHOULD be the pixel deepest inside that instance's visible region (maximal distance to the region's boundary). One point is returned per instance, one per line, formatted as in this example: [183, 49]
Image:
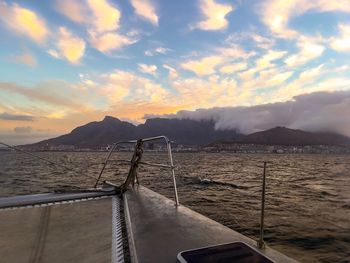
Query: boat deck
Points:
[158, 230]
[87, 227]
[78, 230]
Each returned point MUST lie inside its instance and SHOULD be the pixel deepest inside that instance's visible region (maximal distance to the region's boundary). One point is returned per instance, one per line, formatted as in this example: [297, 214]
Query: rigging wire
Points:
[46, 160]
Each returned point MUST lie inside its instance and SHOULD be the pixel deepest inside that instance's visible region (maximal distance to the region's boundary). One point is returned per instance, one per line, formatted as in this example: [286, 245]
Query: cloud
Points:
[102, 22]
[158, 50]
[24, 135]
[122, 87]
[234, 51]
[276, 14]
[232, 68]
[262, 42]
[15, 117]
[74, 10]
[53, 53]
[309, 49]
[310, 74]
[265, 61]
[319, 111]
[52, 93]
[342, 43]
[106, 16]
[146, 10]
[24, 22]
[27, 59]
[148, 69]
[107, 42]
[23, 130]
[70, 47]
[204, 66]
[172, 72]
[215, 15]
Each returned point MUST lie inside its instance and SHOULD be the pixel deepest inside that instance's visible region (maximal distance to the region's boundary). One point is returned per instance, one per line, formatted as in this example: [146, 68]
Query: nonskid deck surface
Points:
[158, 230]
[81, 230]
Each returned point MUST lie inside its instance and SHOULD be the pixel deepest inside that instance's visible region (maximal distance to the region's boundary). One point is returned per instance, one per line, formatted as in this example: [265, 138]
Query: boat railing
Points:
[136, 160]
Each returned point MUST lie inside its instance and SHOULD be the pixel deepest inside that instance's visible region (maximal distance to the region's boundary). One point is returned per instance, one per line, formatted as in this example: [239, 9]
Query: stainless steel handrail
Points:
[261, 242]
[170, 156]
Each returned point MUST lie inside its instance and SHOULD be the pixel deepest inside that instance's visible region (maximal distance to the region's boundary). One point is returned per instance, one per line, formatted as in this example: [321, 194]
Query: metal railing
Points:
[136, 142]
[262, 215]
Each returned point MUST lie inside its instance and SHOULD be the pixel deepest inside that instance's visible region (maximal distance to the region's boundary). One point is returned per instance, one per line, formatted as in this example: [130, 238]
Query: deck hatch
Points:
[236, 252]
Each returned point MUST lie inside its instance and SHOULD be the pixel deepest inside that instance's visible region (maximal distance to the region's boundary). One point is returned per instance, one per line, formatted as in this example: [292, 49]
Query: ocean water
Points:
[307, 212]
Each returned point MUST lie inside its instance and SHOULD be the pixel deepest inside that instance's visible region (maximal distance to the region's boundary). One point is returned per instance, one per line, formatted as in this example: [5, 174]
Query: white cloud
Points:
[310, 74]
[172, 72]
[234, 51]
[342, 43]
[232, 68]
[265, 61]
[215, 15]
[158, 50]
[146, 10]
[53, 53]
[320, 111]
[148, 69]
[309, 50]
[276, 14]
[106, 16]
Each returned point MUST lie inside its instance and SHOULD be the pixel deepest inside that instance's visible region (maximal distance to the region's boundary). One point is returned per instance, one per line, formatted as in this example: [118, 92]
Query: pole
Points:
[173, 173]
[261, 238]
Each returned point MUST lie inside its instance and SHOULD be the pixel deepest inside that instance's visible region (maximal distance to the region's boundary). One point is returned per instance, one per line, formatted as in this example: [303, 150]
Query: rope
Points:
[132, 176]
[46, 160]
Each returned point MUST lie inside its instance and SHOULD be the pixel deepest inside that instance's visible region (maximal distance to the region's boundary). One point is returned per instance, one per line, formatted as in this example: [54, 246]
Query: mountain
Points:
[110, 130]
[291, 137]
[187, 132]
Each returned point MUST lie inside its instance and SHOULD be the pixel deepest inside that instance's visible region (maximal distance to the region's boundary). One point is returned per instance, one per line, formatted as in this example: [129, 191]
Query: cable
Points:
[46, 160]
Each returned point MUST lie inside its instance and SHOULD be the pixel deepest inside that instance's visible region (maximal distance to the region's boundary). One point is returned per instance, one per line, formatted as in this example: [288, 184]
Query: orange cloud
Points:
[72, 48]
[106, 42]
[24, 21]
[204, 66]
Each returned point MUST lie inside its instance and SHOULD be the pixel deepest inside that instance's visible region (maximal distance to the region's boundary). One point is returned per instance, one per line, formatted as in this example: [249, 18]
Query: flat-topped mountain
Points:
[110, 130]
[187, 132]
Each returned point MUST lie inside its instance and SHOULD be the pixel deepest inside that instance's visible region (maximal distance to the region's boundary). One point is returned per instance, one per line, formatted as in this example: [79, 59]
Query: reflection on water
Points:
[308, 196]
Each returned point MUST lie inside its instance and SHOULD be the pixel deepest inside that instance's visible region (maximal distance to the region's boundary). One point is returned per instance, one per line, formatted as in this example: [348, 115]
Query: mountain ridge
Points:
[186, 132]
[292, 137]
[111, 130]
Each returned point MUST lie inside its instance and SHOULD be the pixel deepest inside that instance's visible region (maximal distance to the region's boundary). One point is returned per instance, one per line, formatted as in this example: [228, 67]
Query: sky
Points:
[68, 62]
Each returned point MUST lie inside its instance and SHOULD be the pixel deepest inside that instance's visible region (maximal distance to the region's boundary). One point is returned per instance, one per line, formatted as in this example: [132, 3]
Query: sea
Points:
[307, 214]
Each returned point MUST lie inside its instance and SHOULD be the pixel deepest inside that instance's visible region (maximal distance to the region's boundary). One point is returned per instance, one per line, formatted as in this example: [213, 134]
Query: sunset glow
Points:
[66, 63]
